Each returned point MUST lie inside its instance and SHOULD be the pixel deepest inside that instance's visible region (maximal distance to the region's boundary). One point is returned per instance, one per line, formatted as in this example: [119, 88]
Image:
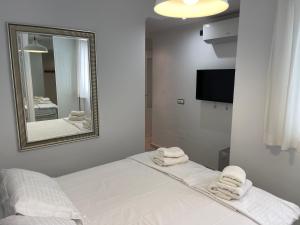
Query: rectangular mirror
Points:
[54, 75]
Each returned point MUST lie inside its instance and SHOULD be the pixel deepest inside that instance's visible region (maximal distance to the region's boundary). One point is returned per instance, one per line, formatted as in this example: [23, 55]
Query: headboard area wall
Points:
[120, 46]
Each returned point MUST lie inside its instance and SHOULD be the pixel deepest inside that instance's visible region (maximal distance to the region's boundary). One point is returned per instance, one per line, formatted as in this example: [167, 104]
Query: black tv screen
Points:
[215, 85]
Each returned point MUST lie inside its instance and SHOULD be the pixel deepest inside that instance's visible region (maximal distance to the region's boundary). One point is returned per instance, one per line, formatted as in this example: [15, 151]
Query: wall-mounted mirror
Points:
[54, 75]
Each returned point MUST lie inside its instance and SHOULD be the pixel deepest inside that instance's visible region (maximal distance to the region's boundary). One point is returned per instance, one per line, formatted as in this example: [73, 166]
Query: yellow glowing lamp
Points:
[190, 8]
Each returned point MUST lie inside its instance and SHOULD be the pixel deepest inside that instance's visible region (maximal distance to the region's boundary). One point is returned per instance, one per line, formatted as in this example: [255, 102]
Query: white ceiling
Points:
[157, 23]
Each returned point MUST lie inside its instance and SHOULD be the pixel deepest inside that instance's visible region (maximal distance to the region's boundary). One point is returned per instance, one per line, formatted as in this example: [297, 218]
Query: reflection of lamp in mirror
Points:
[35, 47]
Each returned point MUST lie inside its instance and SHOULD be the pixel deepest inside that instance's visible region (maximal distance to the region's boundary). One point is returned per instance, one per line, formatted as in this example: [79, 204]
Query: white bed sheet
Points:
[129, 193]
[49, 129]
[78, 124]
[258, 205]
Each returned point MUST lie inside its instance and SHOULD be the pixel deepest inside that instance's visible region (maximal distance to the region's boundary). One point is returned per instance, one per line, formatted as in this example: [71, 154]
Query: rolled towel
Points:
[233, 176]
[77, 113]
[173, 152]
[163, 161]
[227, 192]
[76, 118]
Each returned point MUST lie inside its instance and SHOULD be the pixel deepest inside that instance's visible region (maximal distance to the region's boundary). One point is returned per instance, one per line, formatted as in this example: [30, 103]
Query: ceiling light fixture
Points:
[35, 47]
[190, 2]
[190, 8]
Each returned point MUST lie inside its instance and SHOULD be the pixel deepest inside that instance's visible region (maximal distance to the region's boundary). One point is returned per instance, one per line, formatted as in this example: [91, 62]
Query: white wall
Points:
[148, 97]
[275, 171]
[120, 38]
[199, 128]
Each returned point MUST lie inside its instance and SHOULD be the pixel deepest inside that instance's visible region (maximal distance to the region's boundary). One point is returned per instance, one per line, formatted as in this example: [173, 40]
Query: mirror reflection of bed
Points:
[50, 129]
[56, 85]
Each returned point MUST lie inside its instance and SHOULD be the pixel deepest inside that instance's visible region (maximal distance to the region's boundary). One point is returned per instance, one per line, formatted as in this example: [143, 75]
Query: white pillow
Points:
[30, 193]
[28, 220]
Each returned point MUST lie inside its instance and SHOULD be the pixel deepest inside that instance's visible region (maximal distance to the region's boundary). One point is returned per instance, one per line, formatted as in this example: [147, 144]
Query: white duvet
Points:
[258, 205]
[128, 192]
[49, 129]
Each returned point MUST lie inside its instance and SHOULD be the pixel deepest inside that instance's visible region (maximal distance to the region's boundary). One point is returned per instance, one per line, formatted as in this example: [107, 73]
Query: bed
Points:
[133, 191]
[49, 129]
[130, 192]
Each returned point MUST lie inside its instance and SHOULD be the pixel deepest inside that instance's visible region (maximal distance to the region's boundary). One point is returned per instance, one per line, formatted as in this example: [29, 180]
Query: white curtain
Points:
[83, 74]
[65, 55]
[25, 67]
[282, 121]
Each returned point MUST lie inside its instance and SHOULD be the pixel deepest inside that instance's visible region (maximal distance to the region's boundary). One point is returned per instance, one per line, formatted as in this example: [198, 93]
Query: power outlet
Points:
[180, 101]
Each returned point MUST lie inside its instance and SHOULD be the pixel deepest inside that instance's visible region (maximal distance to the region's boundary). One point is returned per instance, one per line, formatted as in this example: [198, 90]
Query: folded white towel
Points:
[219, 194]
[43, 102]
[76, 118]
[173, 152]
[77, 113]
[227, 192]
[41, 98]
[233, 176]
[163, 161]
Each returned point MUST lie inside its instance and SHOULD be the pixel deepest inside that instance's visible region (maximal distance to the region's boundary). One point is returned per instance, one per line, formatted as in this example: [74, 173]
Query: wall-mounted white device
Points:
[221, 31]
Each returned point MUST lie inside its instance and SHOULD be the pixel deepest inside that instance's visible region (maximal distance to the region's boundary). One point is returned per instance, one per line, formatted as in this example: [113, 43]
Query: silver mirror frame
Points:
[24, 145]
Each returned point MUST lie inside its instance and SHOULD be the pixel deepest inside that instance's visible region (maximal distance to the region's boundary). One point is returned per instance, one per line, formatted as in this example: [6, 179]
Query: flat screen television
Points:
[215, 85]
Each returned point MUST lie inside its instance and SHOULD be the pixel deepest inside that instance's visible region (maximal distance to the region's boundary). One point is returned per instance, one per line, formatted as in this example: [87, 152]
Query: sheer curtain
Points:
[25, 67]
[282, 122]
[83, 75]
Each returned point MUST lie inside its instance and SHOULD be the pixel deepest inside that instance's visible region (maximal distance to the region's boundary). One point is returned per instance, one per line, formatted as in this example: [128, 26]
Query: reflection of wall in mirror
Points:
[61, 77]
[42, 68]
[41, 84]
[49, 70]
[37, 73]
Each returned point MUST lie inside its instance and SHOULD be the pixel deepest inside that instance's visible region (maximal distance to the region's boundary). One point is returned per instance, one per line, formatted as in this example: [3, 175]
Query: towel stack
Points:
[231, 185]
[77, 116]
[170, 156]
[41, 100]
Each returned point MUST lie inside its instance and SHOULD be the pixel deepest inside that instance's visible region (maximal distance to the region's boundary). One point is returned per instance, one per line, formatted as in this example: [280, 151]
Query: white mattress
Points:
[129, 193]
[258, 205]
[49, 129]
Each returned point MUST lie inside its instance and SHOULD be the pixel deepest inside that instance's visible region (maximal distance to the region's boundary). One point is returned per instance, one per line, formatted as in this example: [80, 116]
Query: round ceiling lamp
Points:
[35, 47]
[190, 8]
